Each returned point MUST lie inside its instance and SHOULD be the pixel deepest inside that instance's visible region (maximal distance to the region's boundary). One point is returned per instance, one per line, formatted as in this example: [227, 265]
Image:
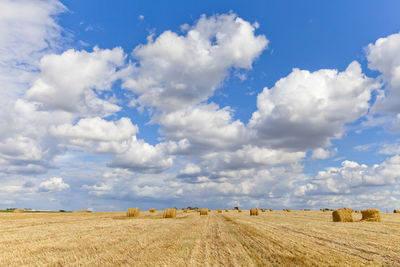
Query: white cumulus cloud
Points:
[305, 110]
[178, 70]
[73, 80]
[55, 184]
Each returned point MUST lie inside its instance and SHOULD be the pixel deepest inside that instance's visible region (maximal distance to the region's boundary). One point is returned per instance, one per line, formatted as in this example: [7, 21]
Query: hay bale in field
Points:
[270, 209]
[75, 211]
[263, 210]
[219, 211]
[18, 211]
[371, 215]
[253, 212]
[239, 210]
[133, 212]
[226, 210]
[152, 210]
[169, 213]
[83, 211]
[342, 215]
[185, 210]
[203, 212]
[288, 210]
[209, 210]
[396, 211]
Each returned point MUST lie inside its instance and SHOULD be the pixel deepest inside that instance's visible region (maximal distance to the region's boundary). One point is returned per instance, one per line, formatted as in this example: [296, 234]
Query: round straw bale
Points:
[239, 210]
[169, 213]
[133, 212]
[83, 211]
[226, 210]
[75, 211]
[209, 210]
[396, 211]
[204, 212]
[342, 215]
[219, 211]
[185, 210]
[253, 212]
[152, 210]
[18, 211]
[263, 210]
[371, 215]
[270, 209]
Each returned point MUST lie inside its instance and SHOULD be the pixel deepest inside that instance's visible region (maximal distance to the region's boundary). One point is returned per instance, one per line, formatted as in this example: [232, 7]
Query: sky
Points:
[107, 105]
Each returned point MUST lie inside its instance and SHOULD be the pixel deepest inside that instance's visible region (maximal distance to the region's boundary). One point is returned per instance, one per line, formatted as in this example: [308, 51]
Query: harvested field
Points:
[297, 238]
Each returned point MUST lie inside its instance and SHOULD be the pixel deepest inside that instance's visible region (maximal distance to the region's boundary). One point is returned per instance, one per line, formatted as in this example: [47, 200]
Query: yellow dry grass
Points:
[229, 239]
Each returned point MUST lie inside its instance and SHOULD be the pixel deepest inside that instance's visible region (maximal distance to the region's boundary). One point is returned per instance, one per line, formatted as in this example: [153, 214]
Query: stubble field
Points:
[306, 238]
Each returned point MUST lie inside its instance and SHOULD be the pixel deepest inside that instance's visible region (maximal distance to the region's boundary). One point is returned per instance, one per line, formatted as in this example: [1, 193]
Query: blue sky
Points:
[281, 104]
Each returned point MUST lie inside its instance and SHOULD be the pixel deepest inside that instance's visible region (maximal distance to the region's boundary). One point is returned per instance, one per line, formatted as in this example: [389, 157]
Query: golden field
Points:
[306, 238]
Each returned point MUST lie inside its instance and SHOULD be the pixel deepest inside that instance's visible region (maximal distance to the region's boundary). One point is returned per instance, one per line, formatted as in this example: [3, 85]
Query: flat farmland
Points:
[306, 238]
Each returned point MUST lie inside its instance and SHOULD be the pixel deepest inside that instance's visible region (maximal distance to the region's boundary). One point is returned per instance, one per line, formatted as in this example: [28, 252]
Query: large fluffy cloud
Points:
[305, 110]
[384, 56]
[206, 127]
[178, 70]
[95, 129]
[73, 81]
[118, 138]
[28, 30]
[55, 184]
[352, 176]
